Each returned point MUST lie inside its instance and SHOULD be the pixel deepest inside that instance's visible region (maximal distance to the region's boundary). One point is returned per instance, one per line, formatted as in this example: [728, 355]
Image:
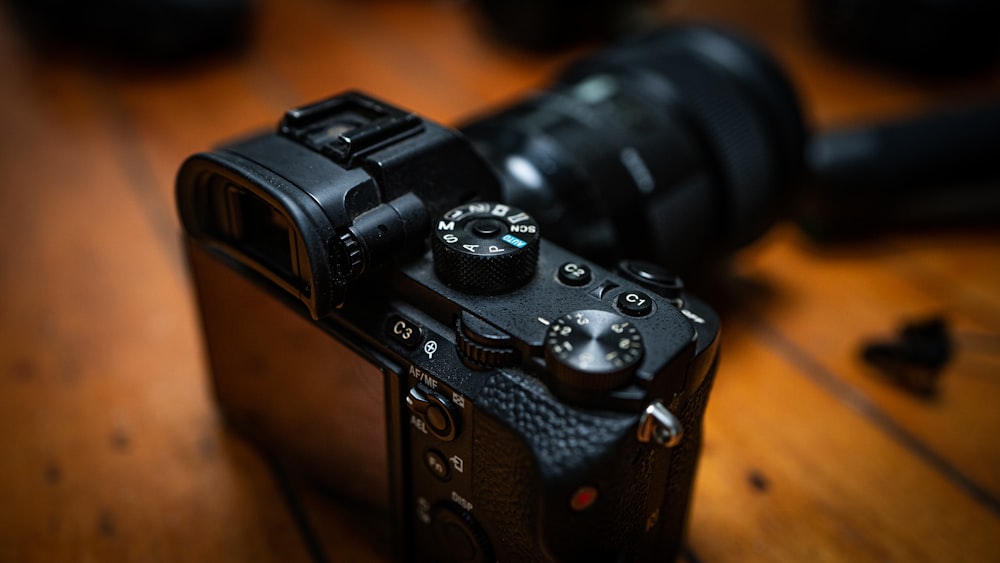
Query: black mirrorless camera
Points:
[380, 310]
[504, 398]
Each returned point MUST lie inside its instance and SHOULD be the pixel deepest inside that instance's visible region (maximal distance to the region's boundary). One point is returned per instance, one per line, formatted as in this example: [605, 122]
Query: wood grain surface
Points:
[111, 448]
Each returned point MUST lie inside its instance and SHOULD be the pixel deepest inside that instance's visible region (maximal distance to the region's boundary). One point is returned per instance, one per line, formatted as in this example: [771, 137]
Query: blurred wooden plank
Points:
[112, 450]
[960, 266]
[160, 120]
[428, 57]
[301, 55]
[791, 473]
[827, 304]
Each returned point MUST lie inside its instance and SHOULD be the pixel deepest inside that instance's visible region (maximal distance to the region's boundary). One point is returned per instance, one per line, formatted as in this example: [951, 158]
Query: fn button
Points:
[437, 465]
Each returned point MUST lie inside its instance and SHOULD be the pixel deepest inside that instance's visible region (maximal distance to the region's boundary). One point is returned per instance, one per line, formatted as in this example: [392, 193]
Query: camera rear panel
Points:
[379, 404]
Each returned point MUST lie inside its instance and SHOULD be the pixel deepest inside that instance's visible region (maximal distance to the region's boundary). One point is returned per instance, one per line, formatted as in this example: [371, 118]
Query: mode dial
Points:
[593, 350]
[485, 248]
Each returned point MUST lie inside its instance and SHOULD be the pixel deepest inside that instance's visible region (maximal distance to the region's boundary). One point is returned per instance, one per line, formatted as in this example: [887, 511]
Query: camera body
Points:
[374, 322]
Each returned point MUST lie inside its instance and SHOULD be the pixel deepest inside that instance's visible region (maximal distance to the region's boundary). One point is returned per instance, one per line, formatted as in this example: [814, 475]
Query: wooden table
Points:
[110, 446]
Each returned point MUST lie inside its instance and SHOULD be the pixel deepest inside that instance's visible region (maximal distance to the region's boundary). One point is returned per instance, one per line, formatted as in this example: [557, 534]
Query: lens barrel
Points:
[673, 147]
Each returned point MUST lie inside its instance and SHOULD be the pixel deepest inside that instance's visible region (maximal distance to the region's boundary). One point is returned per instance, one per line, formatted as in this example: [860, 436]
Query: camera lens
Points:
[672, 147]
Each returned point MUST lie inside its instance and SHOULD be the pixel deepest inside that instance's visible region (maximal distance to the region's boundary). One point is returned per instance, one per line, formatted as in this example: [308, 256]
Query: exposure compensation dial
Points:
[593, 350]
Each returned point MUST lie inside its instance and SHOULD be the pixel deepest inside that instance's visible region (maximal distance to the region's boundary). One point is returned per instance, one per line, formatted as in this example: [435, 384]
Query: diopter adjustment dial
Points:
[593, 350]
[485, 248]
[348, 258]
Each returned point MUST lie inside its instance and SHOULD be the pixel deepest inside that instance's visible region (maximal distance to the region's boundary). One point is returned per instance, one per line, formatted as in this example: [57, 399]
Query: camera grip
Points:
[535, 453]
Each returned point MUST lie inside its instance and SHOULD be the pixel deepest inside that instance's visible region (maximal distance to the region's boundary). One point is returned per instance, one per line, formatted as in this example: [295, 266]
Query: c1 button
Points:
[574, 274]
[405, 331]
[634, 303]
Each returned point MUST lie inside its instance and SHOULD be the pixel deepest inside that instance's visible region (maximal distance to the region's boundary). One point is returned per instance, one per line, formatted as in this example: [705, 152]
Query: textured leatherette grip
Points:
[531, 452]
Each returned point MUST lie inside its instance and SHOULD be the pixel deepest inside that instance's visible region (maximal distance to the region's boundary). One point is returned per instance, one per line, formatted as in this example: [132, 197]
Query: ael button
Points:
[436, 411]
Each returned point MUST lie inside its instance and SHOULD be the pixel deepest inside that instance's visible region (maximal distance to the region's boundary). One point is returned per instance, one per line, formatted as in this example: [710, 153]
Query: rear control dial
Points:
[485, 248]
[593, 350]
[457, 535]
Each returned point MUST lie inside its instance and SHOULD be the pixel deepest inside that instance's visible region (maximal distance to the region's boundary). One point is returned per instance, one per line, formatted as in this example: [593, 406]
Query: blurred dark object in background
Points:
[934, 170]
[929, 170]
[915, 358]
[549, 25]
[924, 36]
[680, 146]
[674, 147]
[150, 31]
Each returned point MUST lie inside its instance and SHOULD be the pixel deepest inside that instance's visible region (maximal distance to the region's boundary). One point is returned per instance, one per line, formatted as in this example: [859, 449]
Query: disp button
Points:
[459, 537]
